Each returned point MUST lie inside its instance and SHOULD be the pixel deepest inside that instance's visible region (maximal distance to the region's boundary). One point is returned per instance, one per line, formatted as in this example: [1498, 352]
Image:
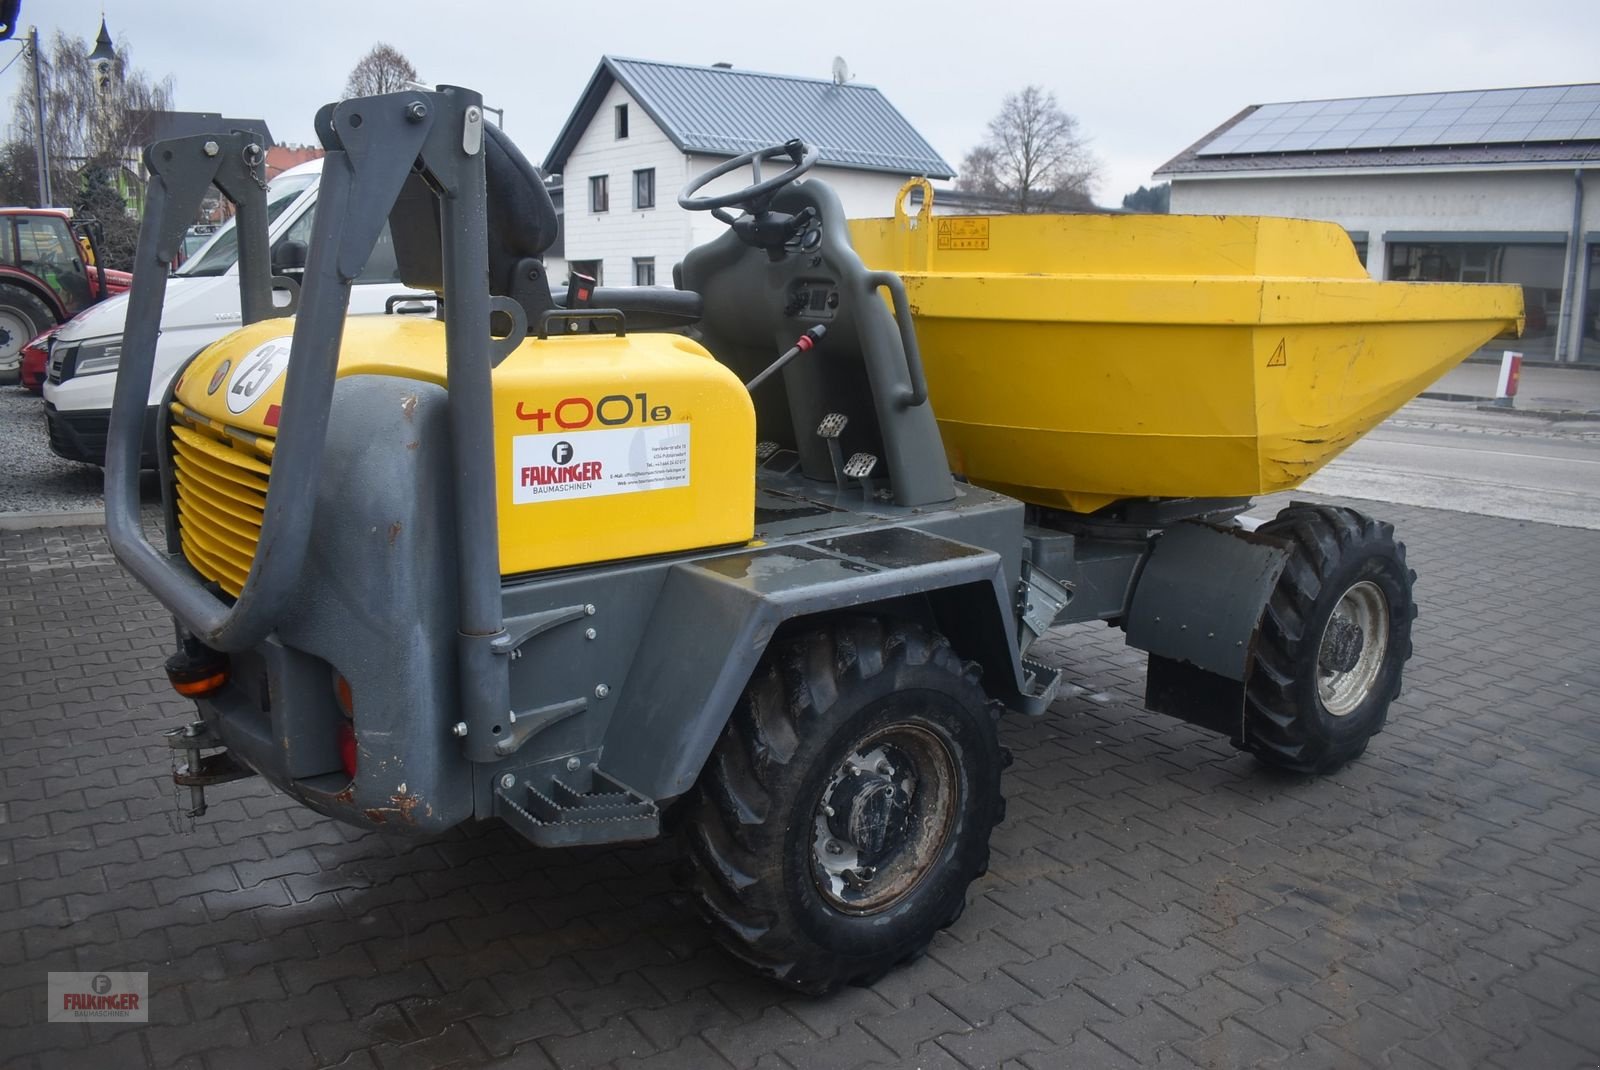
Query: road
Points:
[1455, 457]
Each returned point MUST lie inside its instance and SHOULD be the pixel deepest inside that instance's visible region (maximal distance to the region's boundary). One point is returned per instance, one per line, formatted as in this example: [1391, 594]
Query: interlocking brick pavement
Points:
[1155, 898]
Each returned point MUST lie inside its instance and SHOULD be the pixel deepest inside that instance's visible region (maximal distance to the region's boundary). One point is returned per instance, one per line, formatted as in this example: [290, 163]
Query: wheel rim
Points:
[13, 333]
[882, 818]
[1354, 642]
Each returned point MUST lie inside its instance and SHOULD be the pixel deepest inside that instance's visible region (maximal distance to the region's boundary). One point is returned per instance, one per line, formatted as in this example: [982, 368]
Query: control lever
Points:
[802, 344]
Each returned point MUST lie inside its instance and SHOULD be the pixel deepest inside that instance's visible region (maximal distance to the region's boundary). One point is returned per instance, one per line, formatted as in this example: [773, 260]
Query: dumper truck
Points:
[758, 559]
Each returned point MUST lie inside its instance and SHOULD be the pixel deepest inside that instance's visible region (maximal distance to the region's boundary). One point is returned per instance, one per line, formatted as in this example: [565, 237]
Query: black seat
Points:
[644, 308]
[522, 225]
[521, 216]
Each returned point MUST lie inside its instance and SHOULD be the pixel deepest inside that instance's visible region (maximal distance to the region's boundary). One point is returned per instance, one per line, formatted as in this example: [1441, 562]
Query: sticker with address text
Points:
[592, 464]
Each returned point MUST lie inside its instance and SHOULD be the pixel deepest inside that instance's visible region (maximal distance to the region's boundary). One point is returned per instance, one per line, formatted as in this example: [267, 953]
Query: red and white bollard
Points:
[1505, 391]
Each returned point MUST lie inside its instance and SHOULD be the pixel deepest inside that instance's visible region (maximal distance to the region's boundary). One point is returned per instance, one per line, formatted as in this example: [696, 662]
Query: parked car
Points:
[35, 356]
[202, 305]
[48, 274]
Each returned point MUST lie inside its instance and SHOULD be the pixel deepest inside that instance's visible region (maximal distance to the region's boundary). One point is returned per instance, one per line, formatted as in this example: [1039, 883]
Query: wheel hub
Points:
[1351, 653]
[1341, 647]
[871, 812]
[882, 819]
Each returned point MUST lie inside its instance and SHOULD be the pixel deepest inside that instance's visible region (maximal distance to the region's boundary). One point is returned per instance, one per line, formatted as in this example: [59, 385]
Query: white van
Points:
[202, 305]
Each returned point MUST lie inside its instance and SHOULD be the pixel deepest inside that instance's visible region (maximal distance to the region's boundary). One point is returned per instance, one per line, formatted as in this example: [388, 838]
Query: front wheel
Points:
[22, 318]
[1334, 640]
[847, 806]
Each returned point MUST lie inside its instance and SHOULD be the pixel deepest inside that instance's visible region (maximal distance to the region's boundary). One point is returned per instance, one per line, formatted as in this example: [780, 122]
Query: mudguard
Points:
[715, 618]
[1196, 609]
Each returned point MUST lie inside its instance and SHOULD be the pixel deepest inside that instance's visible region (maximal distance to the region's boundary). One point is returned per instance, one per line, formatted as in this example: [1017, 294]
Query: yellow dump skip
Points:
[1076, 360]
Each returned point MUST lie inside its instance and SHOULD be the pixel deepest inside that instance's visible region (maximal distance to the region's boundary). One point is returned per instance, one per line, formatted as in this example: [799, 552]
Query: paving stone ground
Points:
[1156, 899]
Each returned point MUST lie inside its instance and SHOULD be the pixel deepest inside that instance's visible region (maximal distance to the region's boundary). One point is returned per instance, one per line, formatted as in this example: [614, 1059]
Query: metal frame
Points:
[373, 145]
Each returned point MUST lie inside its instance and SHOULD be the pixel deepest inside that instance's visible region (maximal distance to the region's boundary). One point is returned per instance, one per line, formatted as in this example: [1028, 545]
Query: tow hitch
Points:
[199, 772]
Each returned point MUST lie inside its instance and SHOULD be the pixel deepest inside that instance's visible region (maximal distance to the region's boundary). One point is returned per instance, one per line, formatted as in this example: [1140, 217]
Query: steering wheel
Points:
[755, 197]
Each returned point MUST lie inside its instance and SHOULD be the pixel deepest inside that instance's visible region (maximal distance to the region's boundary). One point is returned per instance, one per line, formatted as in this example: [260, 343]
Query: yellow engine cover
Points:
[605, 448]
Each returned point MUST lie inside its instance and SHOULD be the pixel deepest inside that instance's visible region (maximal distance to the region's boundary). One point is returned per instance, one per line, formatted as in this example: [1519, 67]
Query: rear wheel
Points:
[22, 317]
[847, 806]
[1334, 640]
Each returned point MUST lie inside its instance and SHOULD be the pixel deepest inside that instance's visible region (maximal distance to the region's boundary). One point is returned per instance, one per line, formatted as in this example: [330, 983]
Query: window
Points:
[600, 193]
[1358, 238]
[382, 265]
[1537, 266]
[622, 121]
[644, 188]
[594, 269]
[644, 271]
[223, 250]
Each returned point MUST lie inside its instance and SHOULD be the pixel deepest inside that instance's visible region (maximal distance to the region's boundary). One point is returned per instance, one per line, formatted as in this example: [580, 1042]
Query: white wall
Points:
[1474, 201]
[667, 232]
[622, 233]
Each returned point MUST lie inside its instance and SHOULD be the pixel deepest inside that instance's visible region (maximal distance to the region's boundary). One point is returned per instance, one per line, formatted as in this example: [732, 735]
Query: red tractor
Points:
[48, 274]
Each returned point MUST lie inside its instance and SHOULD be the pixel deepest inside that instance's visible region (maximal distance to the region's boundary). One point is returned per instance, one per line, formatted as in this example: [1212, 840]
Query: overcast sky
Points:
[1144, 79]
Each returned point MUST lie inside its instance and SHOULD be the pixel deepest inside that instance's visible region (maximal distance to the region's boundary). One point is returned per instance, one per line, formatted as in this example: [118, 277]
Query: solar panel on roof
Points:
[1476, 117]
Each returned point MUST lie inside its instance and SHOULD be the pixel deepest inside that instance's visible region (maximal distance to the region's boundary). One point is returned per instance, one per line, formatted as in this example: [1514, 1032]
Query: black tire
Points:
[1340, 559]
[21, 311]
[758, 836]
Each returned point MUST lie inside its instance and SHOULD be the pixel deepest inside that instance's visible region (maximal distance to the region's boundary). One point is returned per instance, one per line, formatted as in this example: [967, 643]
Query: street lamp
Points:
[41, 151]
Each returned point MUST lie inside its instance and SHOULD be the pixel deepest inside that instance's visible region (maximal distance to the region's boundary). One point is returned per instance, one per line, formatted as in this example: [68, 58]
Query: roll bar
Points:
[374, 144]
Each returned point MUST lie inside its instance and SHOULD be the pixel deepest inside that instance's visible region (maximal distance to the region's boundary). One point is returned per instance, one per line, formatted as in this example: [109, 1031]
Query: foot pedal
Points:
[564, 816]
[829, 430]
[860, 465]
[765, 450]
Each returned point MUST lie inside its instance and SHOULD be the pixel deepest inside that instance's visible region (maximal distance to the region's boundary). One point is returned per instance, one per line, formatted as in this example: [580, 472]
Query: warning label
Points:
[591, 464]
[963, 232]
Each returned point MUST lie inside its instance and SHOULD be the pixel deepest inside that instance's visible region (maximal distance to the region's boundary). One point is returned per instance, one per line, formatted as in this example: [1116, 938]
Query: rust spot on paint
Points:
[404, 804]
[394, 532]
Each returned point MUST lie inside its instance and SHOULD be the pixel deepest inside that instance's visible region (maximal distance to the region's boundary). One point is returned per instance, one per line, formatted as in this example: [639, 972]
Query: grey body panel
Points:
[674, 638]
[376, 602]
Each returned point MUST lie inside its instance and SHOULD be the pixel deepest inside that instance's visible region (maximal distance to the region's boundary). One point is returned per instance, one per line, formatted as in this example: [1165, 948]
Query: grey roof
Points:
[722, 111]
[1494, 126]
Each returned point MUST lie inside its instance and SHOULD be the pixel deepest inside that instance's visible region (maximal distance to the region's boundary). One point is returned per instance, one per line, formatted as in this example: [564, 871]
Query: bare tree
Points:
[383, 70]
[1034, 158]
[87, 125]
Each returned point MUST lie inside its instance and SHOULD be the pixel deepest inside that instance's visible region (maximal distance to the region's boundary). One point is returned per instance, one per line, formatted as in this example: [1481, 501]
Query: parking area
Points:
[33, 480]
[1155, 898]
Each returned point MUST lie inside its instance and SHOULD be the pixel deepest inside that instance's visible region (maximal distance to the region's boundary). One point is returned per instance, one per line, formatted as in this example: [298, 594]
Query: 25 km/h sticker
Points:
[591, 464]
[256, 373]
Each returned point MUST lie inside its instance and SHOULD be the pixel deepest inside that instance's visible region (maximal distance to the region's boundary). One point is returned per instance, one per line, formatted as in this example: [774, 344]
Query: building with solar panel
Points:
[1497, 185]
[642, 129]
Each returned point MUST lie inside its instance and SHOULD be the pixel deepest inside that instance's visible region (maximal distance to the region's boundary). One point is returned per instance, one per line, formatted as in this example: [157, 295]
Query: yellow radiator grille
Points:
[221, 494]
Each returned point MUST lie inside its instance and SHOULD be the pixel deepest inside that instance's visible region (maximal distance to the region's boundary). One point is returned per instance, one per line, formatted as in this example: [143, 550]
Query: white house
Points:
[642, 130]
[1498, 185]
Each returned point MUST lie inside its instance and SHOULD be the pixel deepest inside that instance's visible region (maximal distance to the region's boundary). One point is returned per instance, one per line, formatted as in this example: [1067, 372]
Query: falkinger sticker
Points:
[97, 997]
[592, 464]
